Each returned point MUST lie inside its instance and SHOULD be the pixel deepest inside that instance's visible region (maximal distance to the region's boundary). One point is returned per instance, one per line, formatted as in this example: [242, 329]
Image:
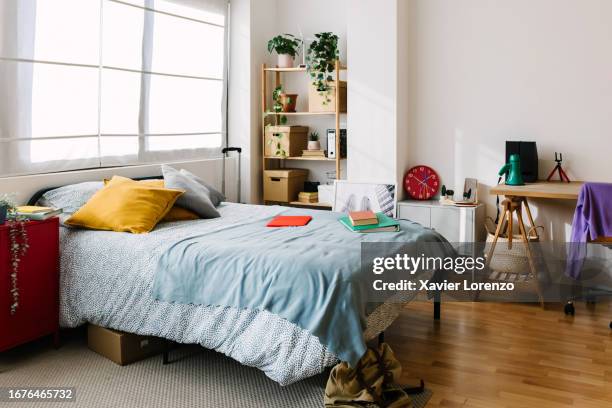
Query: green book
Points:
[385, 224]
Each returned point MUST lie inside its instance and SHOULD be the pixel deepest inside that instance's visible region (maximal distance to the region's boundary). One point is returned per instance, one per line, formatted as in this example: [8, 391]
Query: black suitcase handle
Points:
[231, 149]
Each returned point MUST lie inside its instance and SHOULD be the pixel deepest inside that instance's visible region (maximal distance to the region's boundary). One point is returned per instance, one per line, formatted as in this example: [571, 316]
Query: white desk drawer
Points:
[455, 224]
[419, 214]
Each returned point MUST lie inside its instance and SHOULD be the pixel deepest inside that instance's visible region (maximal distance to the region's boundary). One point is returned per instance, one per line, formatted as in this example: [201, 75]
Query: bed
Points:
[107, 279]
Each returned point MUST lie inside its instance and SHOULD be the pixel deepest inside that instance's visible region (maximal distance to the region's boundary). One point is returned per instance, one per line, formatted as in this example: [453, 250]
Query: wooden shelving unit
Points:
[314, 205]
[300, 158]
[278, 162]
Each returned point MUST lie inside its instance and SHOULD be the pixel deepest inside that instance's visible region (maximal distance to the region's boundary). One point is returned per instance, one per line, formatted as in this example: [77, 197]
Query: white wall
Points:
[252, 24]
[379, 104]
[310, 17]
[372, 90]
[486, 71]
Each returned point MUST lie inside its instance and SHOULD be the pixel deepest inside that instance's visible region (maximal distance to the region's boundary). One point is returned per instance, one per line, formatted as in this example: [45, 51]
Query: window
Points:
[88, 83]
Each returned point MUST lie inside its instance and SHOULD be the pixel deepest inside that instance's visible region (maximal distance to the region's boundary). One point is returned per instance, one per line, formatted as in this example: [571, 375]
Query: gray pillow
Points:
[215, 196]
[71, 197]
[196, 197]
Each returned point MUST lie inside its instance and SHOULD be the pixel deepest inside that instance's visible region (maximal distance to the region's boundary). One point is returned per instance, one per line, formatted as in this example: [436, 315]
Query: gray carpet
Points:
[196, 378]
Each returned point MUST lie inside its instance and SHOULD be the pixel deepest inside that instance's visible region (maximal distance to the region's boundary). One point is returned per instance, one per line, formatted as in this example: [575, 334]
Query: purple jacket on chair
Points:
[592, 219]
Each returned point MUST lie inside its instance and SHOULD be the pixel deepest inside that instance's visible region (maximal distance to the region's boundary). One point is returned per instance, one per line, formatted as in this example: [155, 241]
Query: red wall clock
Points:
[421, 182]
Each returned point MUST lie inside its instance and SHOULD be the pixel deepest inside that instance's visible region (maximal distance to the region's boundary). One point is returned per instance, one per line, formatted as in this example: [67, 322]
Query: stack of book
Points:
[313, 153]
[33, 212]
[307, 197]
[368, 221]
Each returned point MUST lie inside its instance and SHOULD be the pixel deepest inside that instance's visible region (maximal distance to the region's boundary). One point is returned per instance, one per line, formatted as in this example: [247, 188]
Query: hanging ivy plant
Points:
[321, 57]
[278, 106]
[18, 246]
[18, 238]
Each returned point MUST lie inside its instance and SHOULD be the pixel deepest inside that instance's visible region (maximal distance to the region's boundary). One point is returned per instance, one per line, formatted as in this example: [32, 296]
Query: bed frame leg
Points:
[437, 302]
[166, 353]
[381, 338]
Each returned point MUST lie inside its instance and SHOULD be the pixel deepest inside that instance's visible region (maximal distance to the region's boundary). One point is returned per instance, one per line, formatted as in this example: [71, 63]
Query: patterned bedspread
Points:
[106, 279]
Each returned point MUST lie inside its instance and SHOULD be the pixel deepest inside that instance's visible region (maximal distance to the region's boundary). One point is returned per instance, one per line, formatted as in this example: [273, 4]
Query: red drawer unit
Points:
[38, 282]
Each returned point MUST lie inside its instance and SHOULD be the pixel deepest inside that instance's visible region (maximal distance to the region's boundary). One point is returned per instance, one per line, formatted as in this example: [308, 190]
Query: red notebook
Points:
[289, 221]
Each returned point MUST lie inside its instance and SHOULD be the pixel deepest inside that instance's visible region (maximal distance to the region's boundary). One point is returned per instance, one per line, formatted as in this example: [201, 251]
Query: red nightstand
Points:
[38, 282]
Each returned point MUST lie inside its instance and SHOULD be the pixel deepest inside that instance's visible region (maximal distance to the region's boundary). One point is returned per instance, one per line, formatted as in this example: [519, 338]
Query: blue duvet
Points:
[309, 275]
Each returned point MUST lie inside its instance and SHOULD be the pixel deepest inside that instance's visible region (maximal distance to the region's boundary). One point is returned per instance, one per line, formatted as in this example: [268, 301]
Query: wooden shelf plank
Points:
[314, 205]
[300, 158]
[300, 113]
[294, 69]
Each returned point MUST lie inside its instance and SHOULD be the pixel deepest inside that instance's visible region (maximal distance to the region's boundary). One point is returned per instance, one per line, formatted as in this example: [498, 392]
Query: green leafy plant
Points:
[313, 137]
[284, 44]
[6, 200]
[278, 106]
[320, 58]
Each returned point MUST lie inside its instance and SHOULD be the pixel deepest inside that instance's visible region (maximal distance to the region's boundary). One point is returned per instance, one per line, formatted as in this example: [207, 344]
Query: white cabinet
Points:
[456, 224]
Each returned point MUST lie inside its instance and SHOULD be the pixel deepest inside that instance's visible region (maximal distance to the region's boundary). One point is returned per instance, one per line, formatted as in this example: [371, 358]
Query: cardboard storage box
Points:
[316, 99]
[122, 348]
[284, 185]
[293, 140]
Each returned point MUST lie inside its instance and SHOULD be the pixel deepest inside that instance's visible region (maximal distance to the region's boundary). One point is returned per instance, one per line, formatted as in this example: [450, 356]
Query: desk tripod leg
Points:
[534, 273]
[530, 217]
[510, 222]
[498, 231]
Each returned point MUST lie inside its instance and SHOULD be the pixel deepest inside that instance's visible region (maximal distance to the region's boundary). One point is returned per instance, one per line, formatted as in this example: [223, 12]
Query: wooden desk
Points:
[541, 189]
[556, 190]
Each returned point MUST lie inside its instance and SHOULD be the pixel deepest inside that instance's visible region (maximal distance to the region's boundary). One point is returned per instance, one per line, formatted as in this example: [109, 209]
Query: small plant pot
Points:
[285, 61]
[314, 145]
[288, 101]
[3, 211]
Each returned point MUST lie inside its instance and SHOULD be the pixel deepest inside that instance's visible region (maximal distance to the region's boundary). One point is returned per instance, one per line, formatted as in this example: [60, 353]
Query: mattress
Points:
[106, 279]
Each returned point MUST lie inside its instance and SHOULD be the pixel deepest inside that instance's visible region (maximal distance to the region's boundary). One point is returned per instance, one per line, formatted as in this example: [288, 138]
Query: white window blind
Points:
[89, 83]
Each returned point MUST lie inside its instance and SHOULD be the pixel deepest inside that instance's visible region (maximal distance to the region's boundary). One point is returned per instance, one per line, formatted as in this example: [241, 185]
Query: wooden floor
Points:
[489, 355]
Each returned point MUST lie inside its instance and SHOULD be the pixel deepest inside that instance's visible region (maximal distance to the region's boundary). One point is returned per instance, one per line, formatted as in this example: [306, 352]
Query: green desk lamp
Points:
[514, 177]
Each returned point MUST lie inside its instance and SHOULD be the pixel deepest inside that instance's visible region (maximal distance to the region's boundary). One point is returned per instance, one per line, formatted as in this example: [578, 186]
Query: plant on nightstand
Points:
[5, 204]
[286, 46]
[321, 56]
[313, 141]
[18, 245]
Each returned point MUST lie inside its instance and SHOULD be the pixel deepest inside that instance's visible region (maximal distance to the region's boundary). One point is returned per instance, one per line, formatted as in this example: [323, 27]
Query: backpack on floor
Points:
[372, 383]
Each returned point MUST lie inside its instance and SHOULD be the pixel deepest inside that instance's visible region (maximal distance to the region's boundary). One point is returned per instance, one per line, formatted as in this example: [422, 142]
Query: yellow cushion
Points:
[176, 213]
[125, 207]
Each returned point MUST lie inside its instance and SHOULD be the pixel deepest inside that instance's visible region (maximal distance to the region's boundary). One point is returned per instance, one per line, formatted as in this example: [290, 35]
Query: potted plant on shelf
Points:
[286, 46]
[288, 102]
[313, 141]
[321, 57]
[283, 102]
